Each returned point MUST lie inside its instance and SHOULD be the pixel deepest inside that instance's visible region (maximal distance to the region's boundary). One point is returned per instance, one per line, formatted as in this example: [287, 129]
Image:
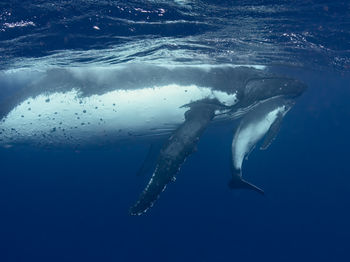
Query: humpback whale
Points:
[80, 106]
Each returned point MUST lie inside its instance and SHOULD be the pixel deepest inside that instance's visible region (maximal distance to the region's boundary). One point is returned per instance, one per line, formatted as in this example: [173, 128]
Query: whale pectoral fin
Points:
[174, 152]
[150, 161]
[237, 182]
[272, 132]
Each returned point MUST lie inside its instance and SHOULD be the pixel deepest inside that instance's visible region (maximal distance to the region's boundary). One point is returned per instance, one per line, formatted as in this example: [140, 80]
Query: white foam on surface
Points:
[42, 65]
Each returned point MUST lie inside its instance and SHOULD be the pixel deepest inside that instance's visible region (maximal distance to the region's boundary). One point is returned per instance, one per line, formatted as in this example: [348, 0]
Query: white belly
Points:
[67, 118]
[253, 127]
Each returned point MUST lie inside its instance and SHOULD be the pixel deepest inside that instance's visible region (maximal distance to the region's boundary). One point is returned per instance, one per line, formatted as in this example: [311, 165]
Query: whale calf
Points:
[80, 106]
[263, 121]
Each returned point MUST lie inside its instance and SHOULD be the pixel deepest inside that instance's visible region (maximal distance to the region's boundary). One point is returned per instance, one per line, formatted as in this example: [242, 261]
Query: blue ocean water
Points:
[72, 205]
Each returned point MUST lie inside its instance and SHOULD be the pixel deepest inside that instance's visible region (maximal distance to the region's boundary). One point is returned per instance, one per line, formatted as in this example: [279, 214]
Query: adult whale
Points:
[95, 106]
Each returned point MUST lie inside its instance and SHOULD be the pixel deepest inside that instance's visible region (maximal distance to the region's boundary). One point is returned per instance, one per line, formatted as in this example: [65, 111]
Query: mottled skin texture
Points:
[174, 152]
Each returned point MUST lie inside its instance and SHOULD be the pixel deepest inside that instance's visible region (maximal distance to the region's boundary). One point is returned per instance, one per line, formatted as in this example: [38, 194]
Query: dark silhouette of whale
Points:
[77, 106]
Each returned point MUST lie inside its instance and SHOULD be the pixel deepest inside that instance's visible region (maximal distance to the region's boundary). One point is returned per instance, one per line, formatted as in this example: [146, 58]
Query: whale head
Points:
[260, 89]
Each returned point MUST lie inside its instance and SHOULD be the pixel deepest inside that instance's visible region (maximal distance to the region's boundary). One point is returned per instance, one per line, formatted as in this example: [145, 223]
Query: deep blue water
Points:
[67, 205]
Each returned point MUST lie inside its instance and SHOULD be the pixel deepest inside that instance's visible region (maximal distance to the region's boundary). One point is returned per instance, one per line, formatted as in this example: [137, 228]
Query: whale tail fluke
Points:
[238, 183]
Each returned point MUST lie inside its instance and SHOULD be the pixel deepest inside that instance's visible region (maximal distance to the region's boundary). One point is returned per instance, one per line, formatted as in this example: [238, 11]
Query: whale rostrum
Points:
[78, 107]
